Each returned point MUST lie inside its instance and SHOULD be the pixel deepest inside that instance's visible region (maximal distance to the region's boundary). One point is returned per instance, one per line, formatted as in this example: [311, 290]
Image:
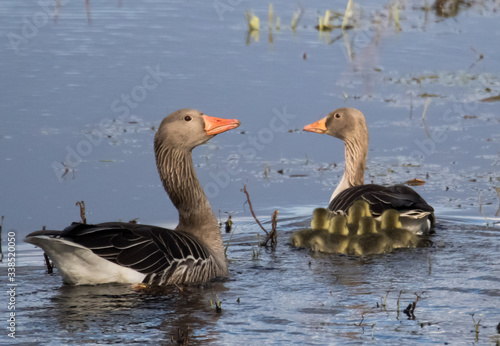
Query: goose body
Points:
[121, 252]
[349, 125]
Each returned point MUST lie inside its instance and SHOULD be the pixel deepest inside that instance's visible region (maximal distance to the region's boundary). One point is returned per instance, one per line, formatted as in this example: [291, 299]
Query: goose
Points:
[369, 241]
[349, 125]
[118, 252]
[392, 227]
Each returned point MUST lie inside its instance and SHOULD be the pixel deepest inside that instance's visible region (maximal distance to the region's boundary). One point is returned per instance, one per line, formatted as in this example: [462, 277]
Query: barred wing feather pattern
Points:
[163, 255]
[380, 198]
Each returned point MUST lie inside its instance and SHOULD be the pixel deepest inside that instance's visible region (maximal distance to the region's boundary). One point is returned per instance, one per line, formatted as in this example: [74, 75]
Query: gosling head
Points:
[297, 239]
[358, 210]
[317, 243]
[390, 220]
[367, 225]
[320, 218]
[338, 225]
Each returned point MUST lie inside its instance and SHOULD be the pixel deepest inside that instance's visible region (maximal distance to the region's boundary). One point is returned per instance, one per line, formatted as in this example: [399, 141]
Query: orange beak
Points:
[318, 127]
[215, 125]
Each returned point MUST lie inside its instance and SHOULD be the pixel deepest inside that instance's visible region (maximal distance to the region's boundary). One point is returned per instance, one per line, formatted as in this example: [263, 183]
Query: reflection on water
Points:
[287, 295]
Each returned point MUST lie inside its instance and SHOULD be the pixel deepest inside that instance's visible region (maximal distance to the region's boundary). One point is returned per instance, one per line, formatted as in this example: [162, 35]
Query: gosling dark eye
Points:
[337, 115]
[187, 118]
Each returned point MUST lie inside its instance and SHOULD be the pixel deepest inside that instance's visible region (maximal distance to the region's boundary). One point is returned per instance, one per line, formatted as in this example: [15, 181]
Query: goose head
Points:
[189, 128]
[342, 123]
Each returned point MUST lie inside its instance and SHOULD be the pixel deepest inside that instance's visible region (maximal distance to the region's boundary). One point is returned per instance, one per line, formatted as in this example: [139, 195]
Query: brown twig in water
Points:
[476, 325]
[416, 300]
[244, 190]
[361, 322]
[273, 235]
[82, 211]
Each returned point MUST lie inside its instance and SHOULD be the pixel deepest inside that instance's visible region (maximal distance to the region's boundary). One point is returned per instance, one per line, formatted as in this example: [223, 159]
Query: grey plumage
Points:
[193, 252]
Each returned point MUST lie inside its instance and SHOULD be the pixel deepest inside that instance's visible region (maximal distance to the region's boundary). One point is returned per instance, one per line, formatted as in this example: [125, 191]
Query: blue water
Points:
[87, 88]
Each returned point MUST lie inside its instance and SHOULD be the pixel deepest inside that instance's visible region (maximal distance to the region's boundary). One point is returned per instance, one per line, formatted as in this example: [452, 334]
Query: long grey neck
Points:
[356, 150]
[179, 180]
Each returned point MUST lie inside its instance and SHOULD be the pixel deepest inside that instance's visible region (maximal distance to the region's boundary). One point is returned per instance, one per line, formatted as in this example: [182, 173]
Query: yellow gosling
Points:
[318, 243]
[302, 238]
[298, 239]
[338, 225]
[338, 235]
[390, 219]
[363, 204]
[320, 219]
[391, 226]
[356, 211]
[369, 241]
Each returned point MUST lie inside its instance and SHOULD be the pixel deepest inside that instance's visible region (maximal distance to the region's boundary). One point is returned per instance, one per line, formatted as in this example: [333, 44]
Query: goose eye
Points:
[337, 115]
[187, 118]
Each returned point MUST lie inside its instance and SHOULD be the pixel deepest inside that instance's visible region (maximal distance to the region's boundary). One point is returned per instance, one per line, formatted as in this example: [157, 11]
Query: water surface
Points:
[64, 97]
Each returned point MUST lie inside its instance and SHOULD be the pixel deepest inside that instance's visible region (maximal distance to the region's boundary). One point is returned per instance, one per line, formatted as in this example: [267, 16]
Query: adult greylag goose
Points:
[349, 125]
[133, 253]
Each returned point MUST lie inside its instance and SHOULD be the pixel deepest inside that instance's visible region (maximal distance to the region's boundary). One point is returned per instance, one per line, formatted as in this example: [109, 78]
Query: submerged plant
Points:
[216, 305]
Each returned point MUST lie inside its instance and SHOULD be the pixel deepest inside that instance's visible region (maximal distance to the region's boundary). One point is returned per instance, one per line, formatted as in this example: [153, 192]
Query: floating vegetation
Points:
[476, 326]
[252, 21]
[395, 15]
[271, 14]
[296, 18]
[410, 309]
[217, 305]
[415, 182]
[348, 14]
[324, 22]
[491, 99]
[228, 225]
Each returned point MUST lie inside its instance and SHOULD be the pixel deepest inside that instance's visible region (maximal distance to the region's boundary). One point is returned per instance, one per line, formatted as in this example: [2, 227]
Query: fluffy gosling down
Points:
[369, 241]
[392, 227]
[358, 233]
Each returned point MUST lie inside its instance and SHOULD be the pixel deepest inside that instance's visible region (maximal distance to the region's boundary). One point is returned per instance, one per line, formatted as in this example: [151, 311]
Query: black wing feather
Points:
[154, 251]
[380, 198]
